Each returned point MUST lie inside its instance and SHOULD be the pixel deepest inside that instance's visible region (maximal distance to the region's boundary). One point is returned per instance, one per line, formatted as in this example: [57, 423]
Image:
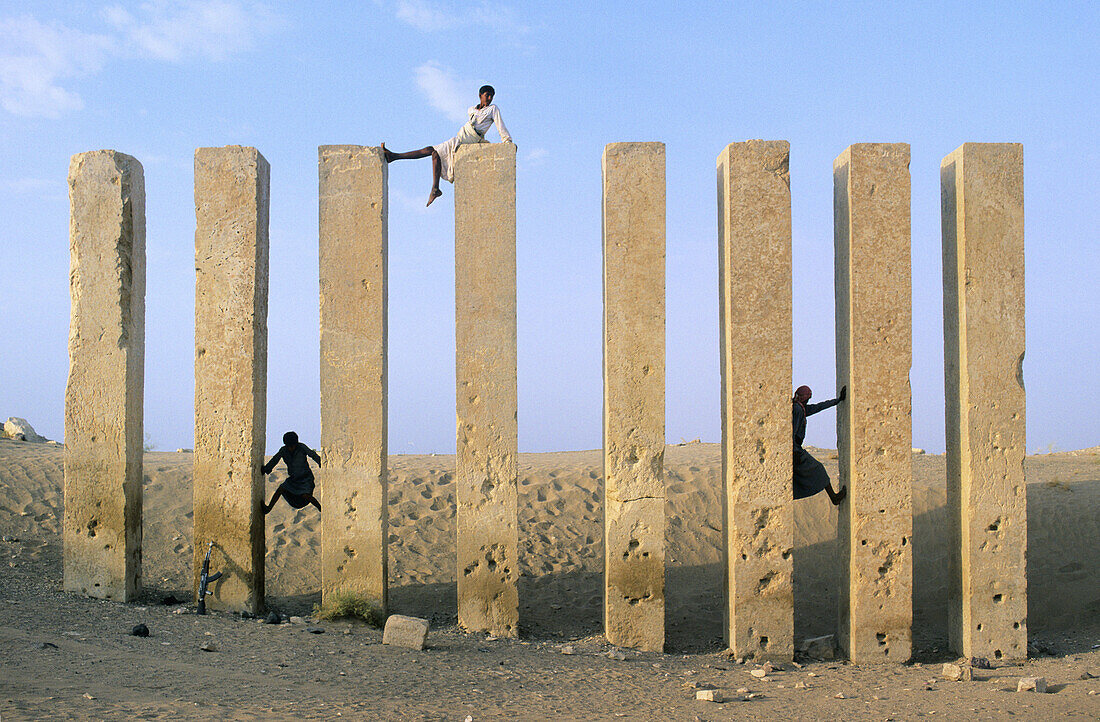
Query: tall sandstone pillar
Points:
[874, 424]
[485, 381]
[983, 332]
[754, 270]
[634, 394]
[353, 221]
[105, 391]
[231, 261]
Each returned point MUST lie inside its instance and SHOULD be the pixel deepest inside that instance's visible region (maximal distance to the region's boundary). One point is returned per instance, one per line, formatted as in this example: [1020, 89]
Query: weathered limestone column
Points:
[354, 212]
[754, 247]
[874, 424]
[634, 394]
[232, 187]
[106, 387]
[983, 333]
[485, 380]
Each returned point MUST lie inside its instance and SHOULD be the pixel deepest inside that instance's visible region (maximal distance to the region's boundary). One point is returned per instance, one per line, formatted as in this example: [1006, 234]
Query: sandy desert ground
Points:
[66, 657]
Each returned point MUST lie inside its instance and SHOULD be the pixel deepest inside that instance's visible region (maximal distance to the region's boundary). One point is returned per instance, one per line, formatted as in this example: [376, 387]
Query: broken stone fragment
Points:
[958, 672]
[708, 695]
[402, 631]
[1032, 684]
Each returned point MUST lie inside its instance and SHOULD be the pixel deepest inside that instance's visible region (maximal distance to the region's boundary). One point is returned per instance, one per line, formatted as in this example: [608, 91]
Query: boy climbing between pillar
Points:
[299, 484]
[810, 476]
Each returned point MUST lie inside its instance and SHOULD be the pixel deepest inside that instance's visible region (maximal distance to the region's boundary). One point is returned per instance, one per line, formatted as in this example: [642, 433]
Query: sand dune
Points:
[560, 526]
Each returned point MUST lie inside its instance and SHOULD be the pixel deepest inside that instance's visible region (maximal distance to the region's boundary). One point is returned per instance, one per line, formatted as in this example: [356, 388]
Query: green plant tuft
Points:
[349, 605]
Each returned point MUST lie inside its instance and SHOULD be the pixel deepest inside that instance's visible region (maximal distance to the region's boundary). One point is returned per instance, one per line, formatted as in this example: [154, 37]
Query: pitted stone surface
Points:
[874, 425]
[634, 394]
[485, 380]
[105, 391]
[231, 266]
[983, 309]
[352, 480]
[754, 238]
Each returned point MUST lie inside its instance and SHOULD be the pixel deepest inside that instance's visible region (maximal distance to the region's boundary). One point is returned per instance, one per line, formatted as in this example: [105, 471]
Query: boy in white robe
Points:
[481, 117]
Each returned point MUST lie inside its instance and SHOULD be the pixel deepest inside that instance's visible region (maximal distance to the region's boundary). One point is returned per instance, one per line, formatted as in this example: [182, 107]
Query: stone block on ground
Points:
[1032, 684]
[709, 695]
[958, 672]
[402, 631]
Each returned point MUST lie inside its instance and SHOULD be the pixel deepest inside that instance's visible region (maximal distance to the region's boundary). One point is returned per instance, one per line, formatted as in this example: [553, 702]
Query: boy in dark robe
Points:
[810, 476]
[299, 484]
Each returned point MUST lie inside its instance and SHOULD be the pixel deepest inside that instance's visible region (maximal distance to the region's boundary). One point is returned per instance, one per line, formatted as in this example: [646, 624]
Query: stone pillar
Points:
[634, 394]
[354, 212]
[983, 334]
[754, 270]
[485, 381]
[232, 187]
[105, 391]
[874, 424]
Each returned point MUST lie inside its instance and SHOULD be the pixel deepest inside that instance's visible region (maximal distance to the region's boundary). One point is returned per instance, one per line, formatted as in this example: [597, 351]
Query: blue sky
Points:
[158, 79]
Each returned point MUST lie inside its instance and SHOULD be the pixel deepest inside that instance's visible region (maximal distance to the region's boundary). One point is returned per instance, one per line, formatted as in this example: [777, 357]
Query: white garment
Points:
[473, 132]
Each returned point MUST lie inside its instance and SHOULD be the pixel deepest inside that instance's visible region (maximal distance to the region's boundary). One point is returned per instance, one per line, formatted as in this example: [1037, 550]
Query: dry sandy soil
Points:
[67, 657]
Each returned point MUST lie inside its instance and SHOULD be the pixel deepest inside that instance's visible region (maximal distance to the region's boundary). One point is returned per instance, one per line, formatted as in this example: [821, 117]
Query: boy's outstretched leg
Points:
[313, 500]
[836, 496]
[274, 498]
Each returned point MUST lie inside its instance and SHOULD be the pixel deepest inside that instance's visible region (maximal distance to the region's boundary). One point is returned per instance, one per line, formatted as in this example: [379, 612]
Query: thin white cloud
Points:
[36, 58]
[429, 16]
[536, 155]
[445, 91]
[172, 30]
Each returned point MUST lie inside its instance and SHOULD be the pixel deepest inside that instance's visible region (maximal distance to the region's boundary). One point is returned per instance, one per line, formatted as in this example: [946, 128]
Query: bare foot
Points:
[387, 153]
[433, 195]
[839, 496]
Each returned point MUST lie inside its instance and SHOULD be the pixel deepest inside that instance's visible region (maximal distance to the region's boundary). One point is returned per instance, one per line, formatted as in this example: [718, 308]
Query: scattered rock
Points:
[840, 695]
[403, 631]
[17, 428]
[567, 649]
[315, 630]
[819, 647]
[742, 690]
[88, 696]
[709, 695]
[139, 630]
[800, 685]
[617, 654]
[958, 672]
[1032, 684]
[47, 645]
[247, 615]
[758, 673]
[208, 647]
[980, 663]
[296, 620]
[697, 685]
[1088, 675]
[179, 610]
[272, 618]
[754, 695]
[10, 538]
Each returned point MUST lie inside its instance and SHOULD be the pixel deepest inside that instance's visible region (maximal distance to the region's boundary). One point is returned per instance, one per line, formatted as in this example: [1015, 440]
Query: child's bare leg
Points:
[274, 498]
[409, 155]
[836, 496]
[437, 170]
[313, 500]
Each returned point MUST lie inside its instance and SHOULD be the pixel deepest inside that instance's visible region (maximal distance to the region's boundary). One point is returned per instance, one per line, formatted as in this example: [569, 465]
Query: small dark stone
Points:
[170, 600]
[247, 615]
[979, 663]
[315, 630]
[140, 630]
[47, 645]
[272, 618]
